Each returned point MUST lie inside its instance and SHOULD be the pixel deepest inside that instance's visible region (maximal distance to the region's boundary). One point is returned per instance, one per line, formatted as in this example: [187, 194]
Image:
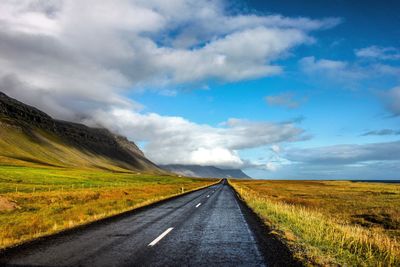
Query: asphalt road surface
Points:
[203, 228]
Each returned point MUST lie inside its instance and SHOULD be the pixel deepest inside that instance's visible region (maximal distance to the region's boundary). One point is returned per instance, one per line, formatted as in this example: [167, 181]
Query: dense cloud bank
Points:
[78, 59]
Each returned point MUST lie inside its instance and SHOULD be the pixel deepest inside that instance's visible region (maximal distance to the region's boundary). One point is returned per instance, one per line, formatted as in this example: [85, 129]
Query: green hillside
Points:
[30, 137]
[36, 147]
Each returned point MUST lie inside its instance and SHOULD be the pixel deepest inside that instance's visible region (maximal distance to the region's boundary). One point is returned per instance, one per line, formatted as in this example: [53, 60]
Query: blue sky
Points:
[332, 112]
[282, 89]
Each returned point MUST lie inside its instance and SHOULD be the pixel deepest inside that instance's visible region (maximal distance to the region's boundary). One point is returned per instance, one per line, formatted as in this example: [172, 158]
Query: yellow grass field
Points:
[37, 201]
[330, 222]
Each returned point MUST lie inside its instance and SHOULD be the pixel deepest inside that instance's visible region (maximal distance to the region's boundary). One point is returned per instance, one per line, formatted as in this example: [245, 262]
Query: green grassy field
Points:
[48, 185]
[37, 201]
[330, 222]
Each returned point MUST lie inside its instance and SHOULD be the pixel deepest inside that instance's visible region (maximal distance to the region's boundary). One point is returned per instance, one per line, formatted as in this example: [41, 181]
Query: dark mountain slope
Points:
[30, 135]
[204, 171]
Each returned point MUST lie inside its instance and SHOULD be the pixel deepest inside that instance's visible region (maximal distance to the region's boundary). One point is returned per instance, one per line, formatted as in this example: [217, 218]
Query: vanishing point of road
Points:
[203, 228]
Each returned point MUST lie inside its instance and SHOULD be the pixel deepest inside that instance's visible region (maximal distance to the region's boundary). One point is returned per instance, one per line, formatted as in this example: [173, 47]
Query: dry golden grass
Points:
[41, 201]
[328, 223]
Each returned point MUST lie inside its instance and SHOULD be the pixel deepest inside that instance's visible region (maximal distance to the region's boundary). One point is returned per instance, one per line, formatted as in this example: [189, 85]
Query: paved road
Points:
[206, 227]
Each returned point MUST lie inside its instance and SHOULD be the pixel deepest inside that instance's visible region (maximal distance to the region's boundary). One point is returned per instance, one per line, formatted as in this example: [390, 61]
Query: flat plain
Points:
[330, 222]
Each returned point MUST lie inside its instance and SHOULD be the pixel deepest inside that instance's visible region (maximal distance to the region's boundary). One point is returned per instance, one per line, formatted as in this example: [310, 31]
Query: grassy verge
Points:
[37, 201]
[329, 223]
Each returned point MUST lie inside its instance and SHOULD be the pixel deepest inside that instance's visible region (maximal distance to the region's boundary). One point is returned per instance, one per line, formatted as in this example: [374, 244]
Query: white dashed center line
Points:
[198, 205]
[155, 241]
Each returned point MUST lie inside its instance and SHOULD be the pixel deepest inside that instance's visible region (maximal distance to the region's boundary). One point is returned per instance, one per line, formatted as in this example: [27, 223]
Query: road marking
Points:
[198, 205]
[155, 241]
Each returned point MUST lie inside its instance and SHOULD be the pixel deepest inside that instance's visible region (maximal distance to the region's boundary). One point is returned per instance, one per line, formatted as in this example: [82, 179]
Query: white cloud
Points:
[347, 161]
[380, 53]
[77, 60]
[304, 171]
[235, 57]
[99, 49]
[270, 166]
[384, 69]
[276, 149]
[270, 160]
[346, 154]
[346, 74]
[287, 100]
[391, 100]
[382, 132]
[176, 140]
[334, 69]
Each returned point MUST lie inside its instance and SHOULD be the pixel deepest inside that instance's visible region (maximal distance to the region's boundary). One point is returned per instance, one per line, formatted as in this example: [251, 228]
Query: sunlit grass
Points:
[47, 184]
[46, 200]
[354, 224]
[27, 146]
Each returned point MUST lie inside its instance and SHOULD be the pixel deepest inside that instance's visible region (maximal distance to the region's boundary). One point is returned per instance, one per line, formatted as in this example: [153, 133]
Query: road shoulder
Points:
[273, 249]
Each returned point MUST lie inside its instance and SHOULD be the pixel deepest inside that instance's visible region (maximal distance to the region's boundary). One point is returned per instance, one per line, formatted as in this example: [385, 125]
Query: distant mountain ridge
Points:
[63, 143]
[204, 171]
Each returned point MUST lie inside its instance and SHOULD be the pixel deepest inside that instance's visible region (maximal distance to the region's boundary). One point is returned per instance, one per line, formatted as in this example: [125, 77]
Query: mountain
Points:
[29, 136]
[204, 171]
